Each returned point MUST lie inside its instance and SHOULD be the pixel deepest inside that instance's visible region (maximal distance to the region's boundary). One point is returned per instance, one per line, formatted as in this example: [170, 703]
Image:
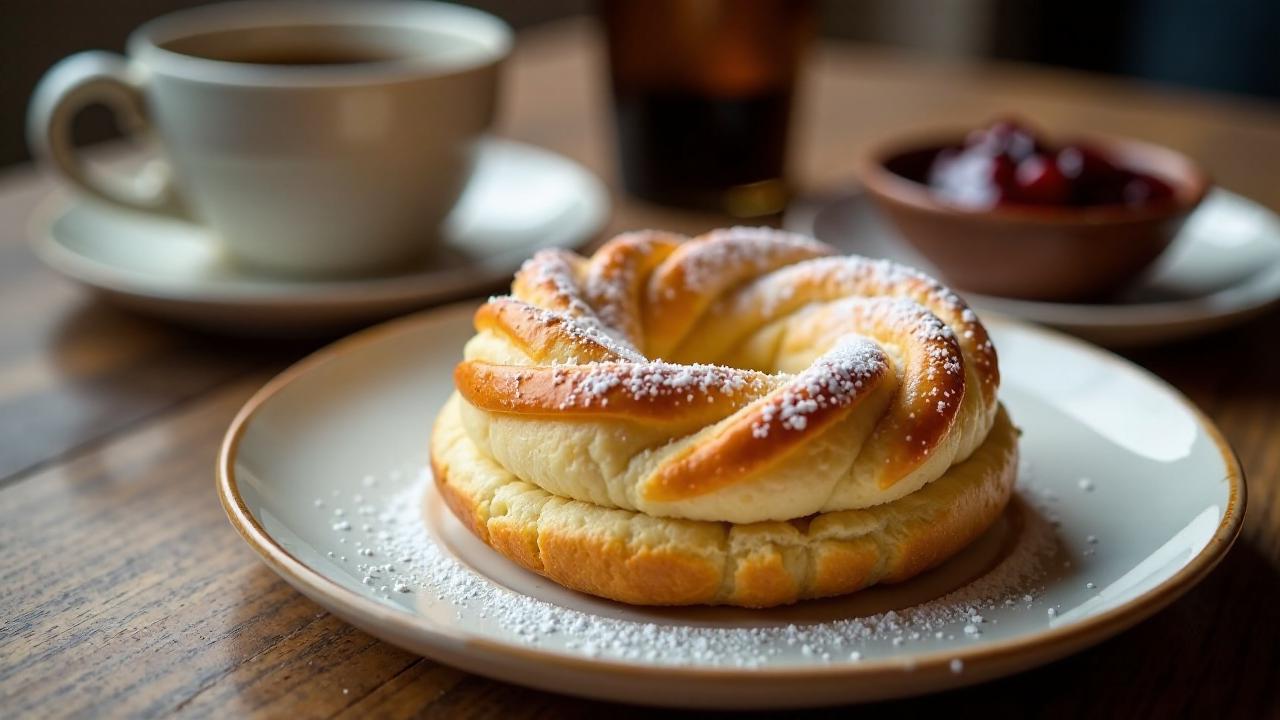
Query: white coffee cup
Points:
[315, 137]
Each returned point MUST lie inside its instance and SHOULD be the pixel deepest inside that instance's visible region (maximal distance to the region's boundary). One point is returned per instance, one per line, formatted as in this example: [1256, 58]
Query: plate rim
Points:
[1052, 642]
[1196, 311]
[322, 293]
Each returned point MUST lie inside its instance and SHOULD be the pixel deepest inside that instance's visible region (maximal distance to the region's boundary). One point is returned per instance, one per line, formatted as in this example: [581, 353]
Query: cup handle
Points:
[81, 80]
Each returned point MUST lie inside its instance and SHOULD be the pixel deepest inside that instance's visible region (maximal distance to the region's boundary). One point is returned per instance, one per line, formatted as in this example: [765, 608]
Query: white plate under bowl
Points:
[520, 199]
[1223, 269]
[323, 474]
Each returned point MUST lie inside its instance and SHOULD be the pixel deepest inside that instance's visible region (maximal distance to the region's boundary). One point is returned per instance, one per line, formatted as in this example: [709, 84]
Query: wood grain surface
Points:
[124, 592]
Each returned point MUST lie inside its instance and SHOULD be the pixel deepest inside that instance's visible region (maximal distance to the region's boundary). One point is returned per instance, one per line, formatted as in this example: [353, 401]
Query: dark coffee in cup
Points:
[310, 56]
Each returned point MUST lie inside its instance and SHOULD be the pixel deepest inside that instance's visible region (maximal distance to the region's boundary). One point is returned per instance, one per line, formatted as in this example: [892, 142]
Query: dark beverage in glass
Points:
[702, 96]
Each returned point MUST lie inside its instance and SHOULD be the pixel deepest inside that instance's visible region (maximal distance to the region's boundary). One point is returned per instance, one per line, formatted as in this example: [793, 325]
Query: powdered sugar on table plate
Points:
[1129, 499]
[413, 559]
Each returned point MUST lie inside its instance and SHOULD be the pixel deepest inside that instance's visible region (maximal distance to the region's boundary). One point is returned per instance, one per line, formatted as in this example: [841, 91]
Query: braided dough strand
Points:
[799, 383]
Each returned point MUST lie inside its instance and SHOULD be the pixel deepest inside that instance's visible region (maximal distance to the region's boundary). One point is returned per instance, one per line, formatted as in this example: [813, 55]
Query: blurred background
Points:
[1220, 45]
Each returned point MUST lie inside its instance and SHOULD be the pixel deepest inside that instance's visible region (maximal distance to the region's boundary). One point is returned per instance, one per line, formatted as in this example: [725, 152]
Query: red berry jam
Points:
[1008, 164]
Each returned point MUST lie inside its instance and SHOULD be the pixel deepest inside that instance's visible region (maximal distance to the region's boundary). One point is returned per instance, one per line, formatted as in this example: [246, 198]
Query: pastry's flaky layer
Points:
[636, 558]
[795, 382]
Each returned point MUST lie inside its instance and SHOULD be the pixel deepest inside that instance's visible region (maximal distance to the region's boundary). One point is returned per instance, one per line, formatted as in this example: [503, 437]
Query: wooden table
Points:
[123, 590]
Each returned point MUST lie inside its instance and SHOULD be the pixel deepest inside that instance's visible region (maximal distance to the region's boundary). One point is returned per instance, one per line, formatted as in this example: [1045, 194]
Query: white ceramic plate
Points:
[323, 474]
[520, 200]
[1223, 269]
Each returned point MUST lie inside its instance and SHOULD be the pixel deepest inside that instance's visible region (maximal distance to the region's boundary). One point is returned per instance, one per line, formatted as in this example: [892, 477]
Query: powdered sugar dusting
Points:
[612, 277]
[649, 380]
[406, 560]
[550, 271]
[833, 380]
[713, 255]
[585, 329]
[866, 277]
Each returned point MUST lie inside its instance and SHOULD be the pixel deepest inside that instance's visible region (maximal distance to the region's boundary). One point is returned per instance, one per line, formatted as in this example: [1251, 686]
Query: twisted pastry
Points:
[803, 393]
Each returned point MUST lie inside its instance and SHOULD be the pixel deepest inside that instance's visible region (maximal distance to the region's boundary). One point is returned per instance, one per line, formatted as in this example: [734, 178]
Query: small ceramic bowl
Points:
[1035, 252]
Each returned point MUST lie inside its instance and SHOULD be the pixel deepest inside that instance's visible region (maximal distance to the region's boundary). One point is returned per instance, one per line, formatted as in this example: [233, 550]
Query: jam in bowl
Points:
[1007, 163]
[1002, 211]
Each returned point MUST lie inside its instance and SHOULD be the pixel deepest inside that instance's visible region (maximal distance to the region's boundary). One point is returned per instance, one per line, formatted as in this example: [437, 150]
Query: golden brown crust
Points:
[633, 558]
[640, 576]
[539, 334]
[549, 280]
[931, 397]
[740, 451]
[700, 269]
[709, 442]
[618, 273]
[563, 391]
[823, 279]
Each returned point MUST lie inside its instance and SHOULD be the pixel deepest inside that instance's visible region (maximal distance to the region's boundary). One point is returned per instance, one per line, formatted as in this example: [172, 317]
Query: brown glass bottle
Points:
[702, 97]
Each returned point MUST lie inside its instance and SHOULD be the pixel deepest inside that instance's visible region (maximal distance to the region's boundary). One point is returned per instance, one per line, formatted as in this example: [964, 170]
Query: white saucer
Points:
[1223, 269]
[521, 199]
[323, 474]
